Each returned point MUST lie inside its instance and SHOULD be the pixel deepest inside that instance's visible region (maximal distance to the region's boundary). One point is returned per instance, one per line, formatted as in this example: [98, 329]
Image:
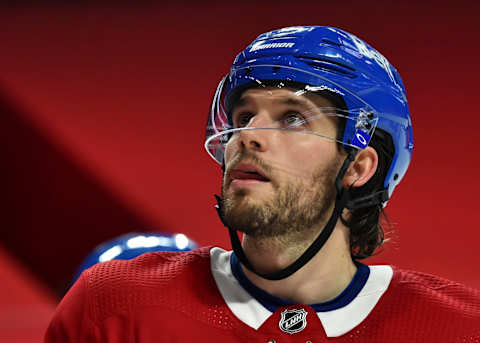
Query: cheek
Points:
[231, 149]
[310, 155]
[311, 151]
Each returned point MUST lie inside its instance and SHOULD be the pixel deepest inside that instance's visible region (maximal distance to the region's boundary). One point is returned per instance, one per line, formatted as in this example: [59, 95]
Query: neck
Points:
[323, 278]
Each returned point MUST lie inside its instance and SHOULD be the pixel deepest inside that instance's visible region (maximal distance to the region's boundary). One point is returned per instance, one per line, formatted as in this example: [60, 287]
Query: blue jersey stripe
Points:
[272, 303]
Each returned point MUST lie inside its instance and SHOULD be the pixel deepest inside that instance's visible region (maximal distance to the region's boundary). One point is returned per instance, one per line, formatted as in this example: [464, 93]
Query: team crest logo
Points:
[293, 321]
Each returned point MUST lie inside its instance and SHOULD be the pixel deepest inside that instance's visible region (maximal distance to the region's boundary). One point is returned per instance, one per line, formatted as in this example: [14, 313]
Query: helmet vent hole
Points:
[329, 66]
[328, 41]
[395, 177]
[276, 69]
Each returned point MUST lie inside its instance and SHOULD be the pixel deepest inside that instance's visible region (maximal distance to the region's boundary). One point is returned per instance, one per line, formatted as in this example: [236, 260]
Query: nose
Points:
[254, 138]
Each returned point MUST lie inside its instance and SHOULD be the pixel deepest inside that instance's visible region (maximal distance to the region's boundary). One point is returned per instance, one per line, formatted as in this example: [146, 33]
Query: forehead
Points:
[283, 96]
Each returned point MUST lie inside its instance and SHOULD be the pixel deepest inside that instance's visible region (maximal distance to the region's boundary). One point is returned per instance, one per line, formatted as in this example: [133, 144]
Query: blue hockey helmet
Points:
[131, 245]
[321, 60]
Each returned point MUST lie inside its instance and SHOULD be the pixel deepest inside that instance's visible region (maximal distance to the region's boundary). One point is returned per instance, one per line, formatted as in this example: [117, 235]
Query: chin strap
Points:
[376, 198]
[341, 201]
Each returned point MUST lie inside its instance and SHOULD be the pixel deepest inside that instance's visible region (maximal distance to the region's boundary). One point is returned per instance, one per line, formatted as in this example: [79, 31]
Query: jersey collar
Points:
[254, 306]
[272, 303]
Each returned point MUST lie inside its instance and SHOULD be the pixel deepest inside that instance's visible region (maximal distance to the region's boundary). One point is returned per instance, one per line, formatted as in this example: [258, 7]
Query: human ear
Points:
[362, 168]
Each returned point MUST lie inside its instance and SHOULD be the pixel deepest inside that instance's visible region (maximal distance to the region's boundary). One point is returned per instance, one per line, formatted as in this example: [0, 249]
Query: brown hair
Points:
[367, 225]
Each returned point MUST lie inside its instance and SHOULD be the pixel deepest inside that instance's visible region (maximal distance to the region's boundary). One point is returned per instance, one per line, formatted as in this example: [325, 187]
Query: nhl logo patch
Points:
[293, 321]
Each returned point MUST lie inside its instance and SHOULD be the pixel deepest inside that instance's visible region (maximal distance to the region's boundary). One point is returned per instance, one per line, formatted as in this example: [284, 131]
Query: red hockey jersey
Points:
[194, 297]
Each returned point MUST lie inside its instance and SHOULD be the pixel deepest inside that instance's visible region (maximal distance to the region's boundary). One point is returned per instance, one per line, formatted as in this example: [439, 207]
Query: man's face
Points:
[280, 182]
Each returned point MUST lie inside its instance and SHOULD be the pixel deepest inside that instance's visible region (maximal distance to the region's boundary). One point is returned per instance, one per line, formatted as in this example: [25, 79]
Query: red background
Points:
[103, 110]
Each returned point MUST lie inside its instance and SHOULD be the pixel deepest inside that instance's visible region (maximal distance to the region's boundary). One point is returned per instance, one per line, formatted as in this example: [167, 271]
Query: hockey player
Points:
[313, 131]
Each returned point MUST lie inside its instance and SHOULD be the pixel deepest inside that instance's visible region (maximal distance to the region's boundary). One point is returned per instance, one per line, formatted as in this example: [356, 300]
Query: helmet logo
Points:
[361, 139]
[293, 321]
[260, 46]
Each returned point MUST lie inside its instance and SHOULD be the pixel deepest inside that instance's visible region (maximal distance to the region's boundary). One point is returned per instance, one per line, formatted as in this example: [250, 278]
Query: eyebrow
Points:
[293, 101]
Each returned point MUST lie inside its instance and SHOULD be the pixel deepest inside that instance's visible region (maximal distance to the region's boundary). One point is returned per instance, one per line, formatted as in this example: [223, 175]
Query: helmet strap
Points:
[376, 198]
[342, 199]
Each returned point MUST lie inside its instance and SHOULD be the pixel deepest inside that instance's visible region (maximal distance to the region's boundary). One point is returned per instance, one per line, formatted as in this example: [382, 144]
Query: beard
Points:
[290, 215]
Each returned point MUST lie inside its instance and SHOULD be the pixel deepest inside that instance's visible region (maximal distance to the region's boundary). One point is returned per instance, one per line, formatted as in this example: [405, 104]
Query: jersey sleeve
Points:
[72, 321]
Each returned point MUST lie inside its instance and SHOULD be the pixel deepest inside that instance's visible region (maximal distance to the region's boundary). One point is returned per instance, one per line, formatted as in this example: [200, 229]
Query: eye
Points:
[242, 119]
[293, 119]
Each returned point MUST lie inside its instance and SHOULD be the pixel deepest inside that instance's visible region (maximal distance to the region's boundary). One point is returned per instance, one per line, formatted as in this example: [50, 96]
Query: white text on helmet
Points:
[260, 46]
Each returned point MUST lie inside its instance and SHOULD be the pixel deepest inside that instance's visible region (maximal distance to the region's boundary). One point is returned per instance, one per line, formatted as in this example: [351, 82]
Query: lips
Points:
[246, 175]
[244, 171]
